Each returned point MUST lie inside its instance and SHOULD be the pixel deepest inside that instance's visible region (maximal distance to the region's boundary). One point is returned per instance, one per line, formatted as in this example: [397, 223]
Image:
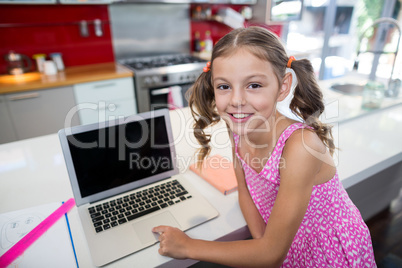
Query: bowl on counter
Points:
[348, 88]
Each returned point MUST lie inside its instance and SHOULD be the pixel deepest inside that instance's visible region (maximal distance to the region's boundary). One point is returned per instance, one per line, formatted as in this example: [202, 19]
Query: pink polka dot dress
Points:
[332, 233]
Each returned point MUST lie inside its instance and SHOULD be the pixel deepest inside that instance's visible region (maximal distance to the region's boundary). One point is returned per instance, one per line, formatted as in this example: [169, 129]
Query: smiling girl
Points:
[294, 204]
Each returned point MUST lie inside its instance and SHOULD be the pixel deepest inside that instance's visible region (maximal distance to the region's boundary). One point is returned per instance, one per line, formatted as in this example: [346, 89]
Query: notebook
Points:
[219, 172]
[122, 174]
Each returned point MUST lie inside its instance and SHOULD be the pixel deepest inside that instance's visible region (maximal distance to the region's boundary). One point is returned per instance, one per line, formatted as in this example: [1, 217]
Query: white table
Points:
[32, 172]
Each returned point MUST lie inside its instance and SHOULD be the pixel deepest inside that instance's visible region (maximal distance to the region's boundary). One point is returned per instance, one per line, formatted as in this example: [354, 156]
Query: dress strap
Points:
[284, 136]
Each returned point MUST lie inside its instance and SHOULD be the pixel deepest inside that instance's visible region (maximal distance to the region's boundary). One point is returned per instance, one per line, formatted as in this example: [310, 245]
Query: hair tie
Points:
[207, 68]
[291, 58]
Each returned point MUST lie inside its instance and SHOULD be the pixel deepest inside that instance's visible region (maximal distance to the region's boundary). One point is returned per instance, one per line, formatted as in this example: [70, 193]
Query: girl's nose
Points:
[238, 98]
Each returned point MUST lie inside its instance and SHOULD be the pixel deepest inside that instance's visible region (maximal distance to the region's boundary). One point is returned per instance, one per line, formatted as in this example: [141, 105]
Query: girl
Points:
[294, 204]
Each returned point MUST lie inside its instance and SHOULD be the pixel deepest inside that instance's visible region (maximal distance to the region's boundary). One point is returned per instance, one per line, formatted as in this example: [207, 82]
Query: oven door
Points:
[172, 97]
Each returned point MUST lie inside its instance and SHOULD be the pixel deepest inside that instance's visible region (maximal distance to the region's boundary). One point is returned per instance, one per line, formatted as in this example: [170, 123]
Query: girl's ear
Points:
[285, 87]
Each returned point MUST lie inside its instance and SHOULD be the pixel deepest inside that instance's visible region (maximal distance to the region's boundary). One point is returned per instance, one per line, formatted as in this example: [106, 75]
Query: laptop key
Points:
[182, 193]
[99, 229]
[97, 224]
[121, 221]
[98, 218]
[96, 214]
[142, 213]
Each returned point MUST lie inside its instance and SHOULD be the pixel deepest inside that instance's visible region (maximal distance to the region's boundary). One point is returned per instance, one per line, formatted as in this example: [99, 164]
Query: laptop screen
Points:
[107, 160]
[122, 154]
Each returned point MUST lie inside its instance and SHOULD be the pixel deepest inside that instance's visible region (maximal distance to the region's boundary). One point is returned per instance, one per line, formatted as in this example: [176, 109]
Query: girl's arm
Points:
[297, 179]
[255, 222]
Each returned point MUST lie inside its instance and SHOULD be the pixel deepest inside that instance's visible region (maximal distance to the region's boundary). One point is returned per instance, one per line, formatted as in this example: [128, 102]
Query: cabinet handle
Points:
[162, 91]
[24, 96]
[105, 85]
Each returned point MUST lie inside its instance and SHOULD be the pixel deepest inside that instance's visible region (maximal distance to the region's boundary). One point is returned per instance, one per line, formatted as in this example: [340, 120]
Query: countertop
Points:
[340, 107]
[33, 173]
[70, 76]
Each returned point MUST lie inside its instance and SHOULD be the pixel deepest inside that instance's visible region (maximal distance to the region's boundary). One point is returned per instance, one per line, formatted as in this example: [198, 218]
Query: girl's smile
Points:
[240, 118]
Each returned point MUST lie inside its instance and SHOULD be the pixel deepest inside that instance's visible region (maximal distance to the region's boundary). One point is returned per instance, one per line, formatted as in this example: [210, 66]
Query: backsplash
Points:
[32, 29]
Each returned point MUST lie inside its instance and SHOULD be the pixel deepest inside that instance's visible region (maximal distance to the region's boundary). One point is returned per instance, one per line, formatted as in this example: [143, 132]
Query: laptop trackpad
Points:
[143, 228]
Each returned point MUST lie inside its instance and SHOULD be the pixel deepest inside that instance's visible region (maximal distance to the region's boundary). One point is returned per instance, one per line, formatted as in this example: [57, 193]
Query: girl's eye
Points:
[223, 87]
[254, 85]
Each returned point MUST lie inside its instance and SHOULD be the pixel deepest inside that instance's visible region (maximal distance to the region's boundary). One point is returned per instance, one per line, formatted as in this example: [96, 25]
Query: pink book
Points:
[219, 172]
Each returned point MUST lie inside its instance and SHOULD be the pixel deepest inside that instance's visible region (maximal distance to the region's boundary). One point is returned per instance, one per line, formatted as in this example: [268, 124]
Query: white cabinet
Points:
[105, 100]
[7, 131]
[41, 112]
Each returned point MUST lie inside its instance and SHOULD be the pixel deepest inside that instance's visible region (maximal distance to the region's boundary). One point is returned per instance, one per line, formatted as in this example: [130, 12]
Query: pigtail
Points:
[202, 105]
[307, 102]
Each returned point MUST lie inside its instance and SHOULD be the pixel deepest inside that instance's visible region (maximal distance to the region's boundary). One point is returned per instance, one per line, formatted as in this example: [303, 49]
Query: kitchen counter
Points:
[340, 107]
[33, 172]
[369, 163]
[70, 76]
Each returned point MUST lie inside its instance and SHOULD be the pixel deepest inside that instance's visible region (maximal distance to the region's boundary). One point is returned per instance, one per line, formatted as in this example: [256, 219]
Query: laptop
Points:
[125, 181]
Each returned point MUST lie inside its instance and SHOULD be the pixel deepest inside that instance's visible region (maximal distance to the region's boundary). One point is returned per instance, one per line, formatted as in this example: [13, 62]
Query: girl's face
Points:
[246, 91]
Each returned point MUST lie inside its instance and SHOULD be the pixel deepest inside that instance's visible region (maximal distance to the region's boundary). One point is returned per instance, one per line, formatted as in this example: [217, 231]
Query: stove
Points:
[156, 76]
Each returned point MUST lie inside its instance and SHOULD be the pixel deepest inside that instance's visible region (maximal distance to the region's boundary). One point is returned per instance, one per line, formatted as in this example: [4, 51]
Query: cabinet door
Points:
[37, 113]
[7, 132]
[105, 100]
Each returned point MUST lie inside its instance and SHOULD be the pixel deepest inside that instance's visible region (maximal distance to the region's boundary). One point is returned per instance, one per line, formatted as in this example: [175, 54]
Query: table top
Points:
[33, 172]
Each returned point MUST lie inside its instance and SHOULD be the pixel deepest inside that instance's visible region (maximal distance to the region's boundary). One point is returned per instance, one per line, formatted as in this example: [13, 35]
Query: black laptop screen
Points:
[113, 156]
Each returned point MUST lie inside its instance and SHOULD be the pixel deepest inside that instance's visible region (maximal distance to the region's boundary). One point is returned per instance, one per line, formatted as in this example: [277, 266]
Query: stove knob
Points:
[155, 79]
[147, 80]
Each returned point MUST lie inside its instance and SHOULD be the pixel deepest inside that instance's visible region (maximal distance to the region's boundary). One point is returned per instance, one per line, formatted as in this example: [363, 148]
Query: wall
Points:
[31, 29]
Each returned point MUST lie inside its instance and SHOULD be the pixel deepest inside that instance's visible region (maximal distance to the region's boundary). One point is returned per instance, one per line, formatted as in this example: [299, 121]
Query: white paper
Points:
[53, 249]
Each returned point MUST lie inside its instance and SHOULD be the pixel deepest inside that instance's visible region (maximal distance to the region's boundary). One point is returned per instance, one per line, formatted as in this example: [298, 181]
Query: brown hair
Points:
[307, 102]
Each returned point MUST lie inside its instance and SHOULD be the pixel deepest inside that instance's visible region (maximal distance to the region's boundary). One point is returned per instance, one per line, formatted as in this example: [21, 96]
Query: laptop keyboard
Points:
[127, 208]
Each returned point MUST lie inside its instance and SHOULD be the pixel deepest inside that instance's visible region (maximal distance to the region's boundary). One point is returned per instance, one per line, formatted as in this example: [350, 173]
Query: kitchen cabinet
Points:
[41, 112]
[105, 100]
[7, 132]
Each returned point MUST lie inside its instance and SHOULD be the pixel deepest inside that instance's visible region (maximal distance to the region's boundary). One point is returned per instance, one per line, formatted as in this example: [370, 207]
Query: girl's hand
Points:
[173, 242]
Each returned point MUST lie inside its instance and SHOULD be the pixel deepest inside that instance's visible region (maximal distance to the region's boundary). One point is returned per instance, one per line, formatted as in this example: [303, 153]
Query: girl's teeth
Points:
[240, 116]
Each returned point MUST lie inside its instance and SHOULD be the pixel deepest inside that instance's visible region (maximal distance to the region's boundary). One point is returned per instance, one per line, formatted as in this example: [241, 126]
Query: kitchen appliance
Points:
[17, 63]
[157, 78]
